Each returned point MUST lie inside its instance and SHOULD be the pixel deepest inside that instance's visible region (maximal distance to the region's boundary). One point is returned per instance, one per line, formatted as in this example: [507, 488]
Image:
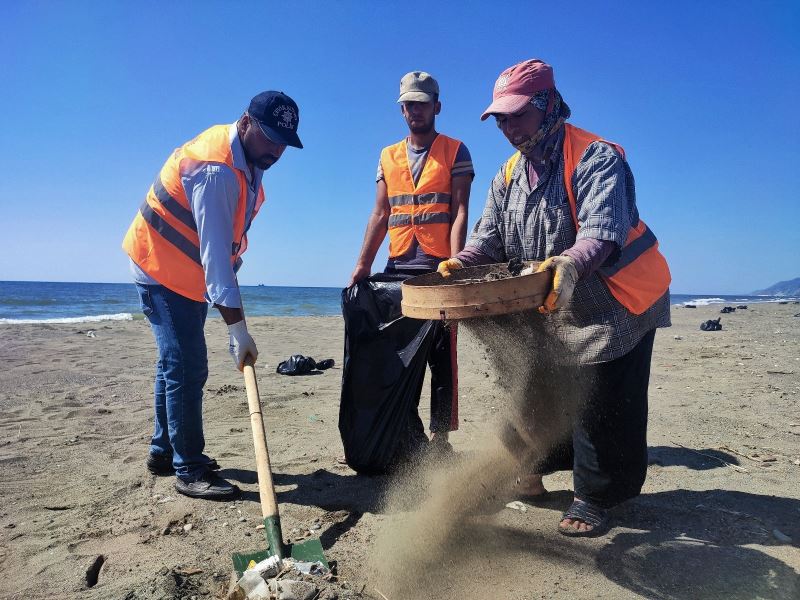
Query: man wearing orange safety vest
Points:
[423, 185]
[185, 246]
[567, 198]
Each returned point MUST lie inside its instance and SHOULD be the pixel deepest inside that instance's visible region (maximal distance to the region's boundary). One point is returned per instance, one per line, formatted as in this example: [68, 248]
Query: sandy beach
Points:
[719, 516]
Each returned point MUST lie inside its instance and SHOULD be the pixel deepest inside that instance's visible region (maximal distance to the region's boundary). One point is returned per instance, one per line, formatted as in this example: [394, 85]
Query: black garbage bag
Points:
[711, 325]
[297, 364]
[384, 366]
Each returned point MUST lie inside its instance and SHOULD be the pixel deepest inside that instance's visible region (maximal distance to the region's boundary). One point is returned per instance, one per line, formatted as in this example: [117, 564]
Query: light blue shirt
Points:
[213, 191]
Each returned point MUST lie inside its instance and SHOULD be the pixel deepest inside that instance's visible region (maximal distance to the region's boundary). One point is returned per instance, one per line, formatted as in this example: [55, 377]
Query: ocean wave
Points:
[739, 300]
[63, 320]
[706, 301]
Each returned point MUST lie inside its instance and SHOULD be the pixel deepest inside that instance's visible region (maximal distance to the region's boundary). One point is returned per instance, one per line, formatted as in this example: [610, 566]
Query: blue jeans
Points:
[181, 372]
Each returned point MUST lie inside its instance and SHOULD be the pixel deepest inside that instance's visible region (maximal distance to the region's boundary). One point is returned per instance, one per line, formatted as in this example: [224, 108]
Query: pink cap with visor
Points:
[517, 85]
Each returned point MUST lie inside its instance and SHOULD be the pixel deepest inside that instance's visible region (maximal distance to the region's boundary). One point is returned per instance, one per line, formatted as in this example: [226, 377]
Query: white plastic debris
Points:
[253, 586]
[517, 505]
[253, 583]
[269, 567]
[309, 568]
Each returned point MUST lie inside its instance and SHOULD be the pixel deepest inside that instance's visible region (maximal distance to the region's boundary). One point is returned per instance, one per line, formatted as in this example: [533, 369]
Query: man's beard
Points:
[261, 161]
[268, 162]
[421, 129]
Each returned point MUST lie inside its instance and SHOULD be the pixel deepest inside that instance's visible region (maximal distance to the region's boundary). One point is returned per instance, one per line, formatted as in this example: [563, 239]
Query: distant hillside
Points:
[782, 288]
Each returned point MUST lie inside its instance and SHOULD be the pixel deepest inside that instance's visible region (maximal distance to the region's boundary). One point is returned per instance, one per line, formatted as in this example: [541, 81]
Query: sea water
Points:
[24, 302]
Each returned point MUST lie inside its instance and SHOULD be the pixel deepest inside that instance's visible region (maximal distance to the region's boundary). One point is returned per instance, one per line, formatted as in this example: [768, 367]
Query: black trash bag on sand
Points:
[297, 364]
[384, 366]
[711, 325]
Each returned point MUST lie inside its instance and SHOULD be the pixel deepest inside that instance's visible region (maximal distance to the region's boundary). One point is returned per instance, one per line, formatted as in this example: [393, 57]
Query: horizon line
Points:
[701, 295]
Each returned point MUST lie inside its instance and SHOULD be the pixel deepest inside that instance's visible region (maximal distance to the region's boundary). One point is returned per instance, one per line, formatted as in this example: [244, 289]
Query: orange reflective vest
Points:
[420, 211]
[641, 275]
[163, 238]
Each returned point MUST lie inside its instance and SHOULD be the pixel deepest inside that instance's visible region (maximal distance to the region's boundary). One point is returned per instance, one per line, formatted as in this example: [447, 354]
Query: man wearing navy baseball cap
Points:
[277, 116]
[185, 246]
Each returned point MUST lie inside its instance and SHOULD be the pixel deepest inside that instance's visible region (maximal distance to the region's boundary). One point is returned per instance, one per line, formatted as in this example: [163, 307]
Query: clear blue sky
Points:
[704, 97]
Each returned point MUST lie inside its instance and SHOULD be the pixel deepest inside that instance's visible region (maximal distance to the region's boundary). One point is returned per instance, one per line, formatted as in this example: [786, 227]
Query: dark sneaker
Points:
[161, 464]
[210, 486]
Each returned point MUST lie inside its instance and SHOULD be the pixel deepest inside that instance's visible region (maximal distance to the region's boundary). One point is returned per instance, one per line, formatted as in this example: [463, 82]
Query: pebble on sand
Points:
[296, 590]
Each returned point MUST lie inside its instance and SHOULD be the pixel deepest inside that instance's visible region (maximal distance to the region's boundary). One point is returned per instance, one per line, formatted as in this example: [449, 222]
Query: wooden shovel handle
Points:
[269, 502]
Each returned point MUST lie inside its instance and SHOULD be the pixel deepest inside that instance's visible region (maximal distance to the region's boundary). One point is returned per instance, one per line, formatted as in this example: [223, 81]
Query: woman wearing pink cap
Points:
[567, 198]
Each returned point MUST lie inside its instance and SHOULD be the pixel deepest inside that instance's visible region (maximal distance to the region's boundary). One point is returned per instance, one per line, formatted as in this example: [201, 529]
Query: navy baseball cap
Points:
[278, 117]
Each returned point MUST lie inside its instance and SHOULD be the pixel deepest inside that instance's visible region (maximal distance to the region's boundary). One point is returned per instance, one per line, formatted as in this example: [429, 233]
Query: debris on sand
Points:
[711, 325]
[288, 579]
[515, 266]
[226, 388]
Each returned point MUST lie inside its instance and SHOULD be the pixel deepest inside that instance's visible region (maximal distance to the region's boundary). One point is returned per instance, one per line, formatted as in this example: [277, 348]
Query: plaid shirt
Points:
[537, 223]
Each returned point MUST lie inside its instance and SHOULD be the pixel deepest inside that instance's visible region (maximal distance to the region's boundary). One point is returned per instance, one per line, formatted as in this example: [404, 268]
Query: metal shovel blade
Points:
[307, 551]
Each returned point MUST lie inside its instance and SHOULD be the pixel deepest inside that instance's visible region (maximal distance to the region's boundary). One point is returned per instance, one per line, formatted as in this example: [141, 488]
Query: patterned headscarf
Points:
[556, 112]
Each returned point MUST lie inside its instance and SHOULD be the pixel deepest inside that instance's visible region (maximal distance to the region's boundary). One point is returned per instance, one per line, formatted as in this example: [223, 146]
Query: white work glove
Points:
[565, 276]
[241, 344]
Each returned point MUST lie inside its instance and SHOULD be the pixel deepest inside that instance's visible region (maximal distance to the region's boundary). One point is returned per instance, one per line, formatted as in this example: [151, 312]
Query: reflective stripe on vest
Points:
[418, 219]
[419, 211]
[169, 233]
[641, 275]
[184, 215]
[432, 198]
[163, 240]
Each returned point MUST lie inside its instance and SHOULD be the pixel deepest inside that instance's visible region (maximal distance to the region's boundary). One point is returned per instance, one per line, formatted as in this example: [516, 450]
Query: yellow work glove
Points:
[565, 276]
[446, 266]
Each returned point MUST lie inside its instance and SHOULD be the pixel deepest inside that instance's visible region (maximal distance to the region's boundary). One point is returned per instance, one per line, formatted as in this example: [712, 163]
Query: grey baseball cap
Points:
[418, 86]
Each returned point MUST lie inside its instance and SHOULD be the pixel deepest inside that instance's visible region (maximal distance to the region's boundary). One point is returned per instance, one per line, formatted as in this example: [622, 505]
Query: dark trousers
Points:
[443, 363]
[607, 452]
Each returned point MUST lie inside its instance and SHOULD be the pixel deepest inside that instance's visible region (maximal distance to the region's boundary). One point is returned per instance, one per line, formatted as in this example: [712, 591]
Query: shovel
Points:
[309, 550]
